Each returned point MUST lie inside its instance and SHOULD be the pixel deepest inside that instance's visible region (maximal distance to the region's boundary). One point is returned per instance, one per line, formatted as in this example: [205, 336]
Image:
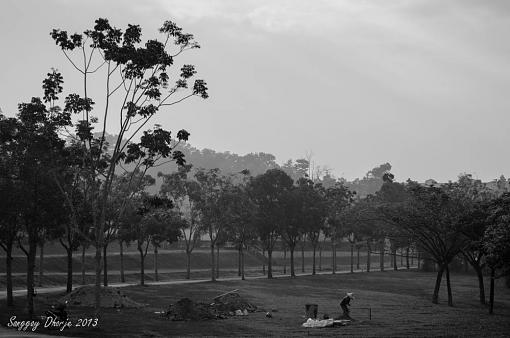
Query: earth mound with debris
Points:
[110, 298]
[231, 302]
[186, 309]
[222, 307]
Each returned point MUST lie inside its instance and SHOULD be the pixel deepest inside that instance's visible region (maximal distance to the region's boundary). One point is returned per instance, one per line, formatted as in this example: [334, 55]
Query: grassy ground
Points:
[400, 303]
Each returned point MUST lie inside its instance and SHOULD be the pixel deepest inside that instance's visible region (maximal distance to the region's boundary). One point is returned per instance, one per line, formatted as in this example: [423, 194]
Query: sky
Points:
[421, 84]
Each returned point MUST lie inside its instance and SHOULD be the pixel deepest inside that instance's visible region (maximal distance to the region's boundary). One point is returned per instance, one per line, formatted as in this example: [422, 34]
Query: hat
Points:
[350, 294]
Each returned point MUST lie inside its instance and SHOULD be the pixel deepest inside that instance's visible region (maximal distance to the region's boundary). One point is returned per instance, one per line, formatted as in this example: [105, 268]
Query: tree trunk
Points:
[333, 265]
[381, 257]
[242, 263]
[435, 296]
[285, 261]
[69, 284]
[303, 258]
[142, 266]
[213, 264]
[188, 264]
[394, 259]
[156, 277]
[122, 277]
[449, 286]
[99, 269]
[217, 261]
[401, 257]
[357, 261]
[313, 263]
[83, 265]
[105, 266]
[292, 270]
[41, 263]
[239, 261]
[368, 257]
[392, 254]
[264, 262]
[30, 276]
[269, 264]
[419, 261]
[352, 257]
[407, 259]
[480, 284]
[8, 272]
[320, 258]
[491, 294]
[412, 258]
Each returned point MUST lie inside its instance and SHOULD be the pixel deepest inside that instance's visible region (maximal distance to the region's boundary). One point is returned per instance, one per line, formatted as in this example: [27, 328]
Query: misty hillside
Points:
[259, 163]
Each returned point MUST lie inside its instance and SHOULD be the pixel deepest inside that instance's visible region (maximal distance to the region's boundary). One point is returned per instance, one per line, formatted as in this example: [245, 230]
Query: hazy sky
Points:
[422, 84]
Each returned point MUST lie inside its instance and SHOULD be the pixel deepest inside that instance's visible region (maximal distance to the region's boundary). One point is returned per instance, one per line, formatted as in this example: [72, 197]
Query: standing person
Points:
[345, 302]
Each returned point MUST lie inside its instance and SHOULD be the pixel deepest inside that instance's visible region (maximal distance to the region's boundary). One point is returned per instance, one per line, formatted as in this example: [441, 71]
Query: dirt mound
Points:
[223, 306]
[186, 309]
[231, 302]
[110, 297]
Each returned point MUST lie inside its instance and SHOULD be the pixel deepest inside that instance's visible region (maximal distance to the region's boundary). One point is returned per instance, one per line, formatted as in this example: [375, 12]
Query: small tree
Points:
[165, 226]
[239, 218]
[185, 193]
[213, 200]
[268, 192]
[338, 199]
[314, 212]
[292, 228]
[151, 218]
[474, 199]
[431, 218]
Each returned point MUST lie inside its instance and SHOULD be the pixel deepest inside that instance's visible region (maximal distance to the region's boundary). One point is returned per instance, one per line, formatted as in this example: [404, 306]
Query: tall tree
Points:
[496, 242]
[34, 143]
[140, 74]
[10, 195]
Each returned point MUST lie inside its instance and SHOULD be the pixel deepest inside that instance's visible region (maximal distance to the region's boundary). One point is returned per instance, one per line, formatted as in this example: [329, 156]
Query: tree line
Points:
[466, 218]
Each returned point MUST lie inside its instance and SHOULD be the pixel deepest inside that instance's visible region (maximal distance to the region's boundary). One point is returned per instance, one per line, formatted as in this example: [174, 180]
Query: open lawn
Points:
[400, 303]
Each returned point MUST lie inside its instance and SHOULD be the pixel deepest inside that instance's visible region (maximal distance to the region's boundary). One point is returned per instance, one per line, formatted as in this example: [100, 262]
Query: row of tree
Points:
[466, 218]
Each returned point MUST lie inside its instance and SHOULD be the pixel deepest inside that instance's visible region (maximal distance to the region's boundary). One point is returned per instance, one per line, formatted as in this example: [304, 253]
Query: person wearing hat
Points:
[346, 301]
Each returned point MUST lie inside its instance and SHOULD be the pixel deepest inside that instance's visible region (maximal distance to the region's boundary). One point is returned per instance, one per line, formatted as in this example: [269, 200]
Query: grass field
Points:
[400, 303]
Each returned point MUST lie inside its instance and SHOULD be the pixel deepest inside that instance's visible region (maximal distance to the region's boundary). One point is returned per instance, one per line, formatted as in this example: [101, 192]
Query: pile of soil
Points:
[224, 306]
[232, 302]
[110, 298]
[186, 309]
